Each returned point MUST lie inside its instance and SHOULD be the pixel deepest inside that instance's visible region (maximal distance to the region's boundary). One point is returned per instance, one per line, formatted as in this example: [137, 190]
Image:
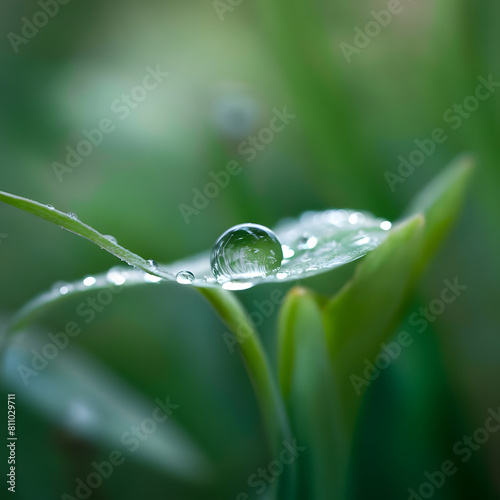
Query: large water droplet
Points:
[244, 252]
[184, 277]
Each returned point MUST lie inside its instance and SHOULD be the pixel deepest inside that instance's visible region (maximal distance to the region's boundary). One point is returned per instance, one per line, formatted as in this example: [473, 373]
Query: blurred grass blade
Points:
[82, 396]
[321, 97]
[441, 202]
[311, 395]
[76, 226]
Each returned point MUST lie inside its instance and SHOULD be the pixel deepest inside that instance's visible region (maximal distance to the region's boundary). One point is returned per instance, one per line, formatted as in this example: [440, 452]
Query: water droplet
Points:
[116, 277]
[89, 281]
[386, 225]
[281, 275]
[245, 252]
[359, 239]
[50, 207]
[184, 277]
[153, 264]
[111, 238]
[72, 215]
[356, 218]
[61, 287]
[236, 285]
[150, 278]
[288, 253]
[307, 242]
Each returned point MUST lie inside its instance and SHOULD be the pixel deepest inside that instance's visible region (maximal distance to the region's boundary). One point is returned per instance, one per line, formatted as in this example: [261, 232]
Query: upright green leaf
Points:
[311, 394]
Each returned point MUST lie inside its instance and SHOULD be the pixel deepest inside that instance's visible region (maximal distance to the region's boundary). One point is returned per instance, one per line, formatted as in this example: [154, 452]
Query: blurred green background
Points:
[226, 76]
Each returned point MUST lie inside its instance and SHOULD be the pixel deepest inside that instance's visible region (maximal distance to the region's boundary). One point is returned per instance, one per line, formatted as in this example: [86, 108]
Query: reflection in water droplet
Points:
[116, 277]
[111, 238]
[288, 253]
[89, 281]
[246, 252]
[184, 277]
[150, 278]
[386, 225]
[73, 215]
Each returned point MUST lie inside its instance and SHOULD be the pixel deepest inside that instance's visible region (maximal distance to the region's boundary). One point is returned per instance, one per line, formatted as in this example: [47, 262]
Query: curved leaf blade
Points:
[314, 243]
[76, 226]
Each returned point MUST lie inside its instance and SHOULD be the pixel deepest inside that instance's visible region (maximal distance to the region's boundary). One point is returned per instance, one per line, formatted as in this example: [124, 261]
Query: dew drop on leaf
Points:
[89, 281]
[111, 238]
[72, 215]
[116, 276]
[184, 277]
[50, 207]
[62, 287]
[153, 264]
[246, 252]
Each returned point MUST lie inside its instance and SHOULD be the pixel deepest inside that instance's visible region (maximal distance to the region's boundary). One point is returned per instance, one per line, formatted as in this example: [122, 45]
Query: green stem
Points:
[275, 418]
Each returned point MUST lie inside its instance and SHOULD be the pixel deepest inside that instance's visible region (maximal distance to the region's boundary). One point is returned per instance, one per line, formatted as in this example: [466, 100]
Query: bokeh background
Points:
[228, 69]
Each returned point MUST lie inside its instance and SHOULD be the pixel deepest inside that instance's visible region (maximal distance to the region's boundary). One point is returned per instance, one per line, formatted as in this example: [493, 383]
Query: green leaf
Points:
[441, 202]
[365, 312]
[308, 385]
[66, 221]
[314, 243]
[82, 396]
[276, 422]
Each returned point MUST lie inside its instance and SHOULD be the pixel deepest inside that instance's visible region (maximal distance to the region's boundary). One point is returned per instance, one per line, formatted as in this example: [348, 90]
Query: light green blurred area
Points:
[352, 122]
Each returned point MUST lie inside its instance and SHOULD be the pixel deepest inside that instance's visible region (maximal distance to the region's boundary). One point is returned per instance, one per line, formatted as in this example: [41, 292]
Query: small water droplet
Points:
[153, 264]
[359, 239]
[184, 277]
[281, 275]
[116, 277]
[72, 215]
[307, 242]
[89, 281]
[61, 287]
[111, 238]
[288, 253]
[50, 207]
[356, 218]
[386, 225]
[246, 252]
